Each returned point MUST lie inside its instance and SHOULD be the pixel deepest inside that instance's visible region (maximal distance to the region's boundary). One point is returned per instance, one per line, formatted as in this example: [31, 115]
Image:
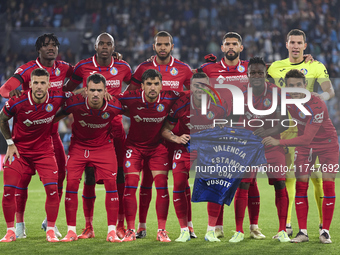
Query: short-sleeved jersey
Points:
[315, 71]
[58, 72]
[91, 127]
[32, 125]
[174, 75]
[261, 102]
[326, 136]
[227, 152]
[147, 118]
[189, 116]
[115, 74]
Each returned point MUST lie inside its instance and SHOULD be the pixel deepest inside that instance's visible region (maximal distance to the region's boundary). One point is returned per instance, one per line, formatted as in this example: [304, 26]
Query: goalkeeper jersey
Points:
[223, 156]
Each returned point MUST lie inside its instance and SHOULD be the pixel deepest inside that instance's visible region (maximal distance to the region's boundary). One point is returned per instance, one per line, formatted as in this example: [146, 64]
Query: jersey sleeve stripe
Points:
[135, 80]
[127, 98]
[82, 64]
[27, 69]
[8, 112]
[180, 109]
[172, 119]
[311, 111]
[73, 105]
[204, 65]
[18, 103]
[115, 107]
[183, 64]
[169, 98]
[76, 77]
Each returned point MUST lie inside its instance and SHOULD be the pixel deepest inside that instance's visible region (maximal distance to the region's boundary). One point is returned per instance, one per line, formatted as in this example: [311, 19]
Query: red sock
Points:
[60, 158]
[121, 214]
[71, 202]
[213, 213]
[253, 203]
[328, 203]
[130, 200]
[188, 195]
[281, 202]
[11, 181]
[240, 204]
[301, 203]
[162, 199]
[180, 198]
[111, 201]
[89, 197]
[52, 201]
[21, 195]
[219, 221]
[145, 194]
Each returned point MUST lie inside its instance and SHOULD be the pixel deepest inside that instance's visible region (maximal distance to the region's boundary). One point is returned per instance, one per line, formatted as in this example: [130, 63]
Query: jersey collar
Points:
[146, 102]
[95, 63]
[103, 108]
[224, 64]
[171, 63]
[30, 99]
[41, 66]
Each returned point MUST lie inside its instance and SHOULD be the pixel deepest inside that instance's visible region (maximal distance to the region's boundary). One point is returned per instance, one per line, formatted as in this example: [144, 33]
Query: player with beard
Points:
[175, 74]
[47, 46]
[232, 70]
[115, 72]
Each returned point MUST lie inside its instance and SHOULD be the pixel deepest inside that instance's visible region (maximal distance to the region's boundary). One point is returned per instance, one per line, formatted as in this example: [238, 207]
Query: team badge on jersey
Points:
[105, 115]
[49, 108]
[210, 115]
[174, 71]
[304, 71]
[241, 68]
[127, 164]
[57, 72]
[174, 165]
[160, 108]
[266, 102]
[302, 115]
[114, 71]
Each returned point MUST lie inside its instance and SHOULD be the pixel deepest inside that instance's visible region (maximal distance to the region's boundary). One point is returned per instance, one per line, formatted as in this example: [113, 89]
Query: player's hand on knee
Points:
[16, 93]
[11, 150]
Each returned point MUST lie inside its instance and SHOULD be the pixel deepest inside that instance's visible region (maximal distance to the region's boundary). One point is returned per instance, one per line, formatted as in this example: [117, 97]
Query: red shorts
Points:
[45, 165]
[275, 169]
[305, 159]
[156, 159]
[182, 159]
[103, 159]
[119, 137]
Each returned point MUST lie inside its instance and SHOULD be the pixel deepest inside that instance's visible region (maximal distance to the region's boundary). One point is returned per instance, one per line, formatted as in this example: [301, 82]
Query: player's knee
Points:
[120, 175]
[279, 185]
[89, 176]
[180, 181]
[244, 185]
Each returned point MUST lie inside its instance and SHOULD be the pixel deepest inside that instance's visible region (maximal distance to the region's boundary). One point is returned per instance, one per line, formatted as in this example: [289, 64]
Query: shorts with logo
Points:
[156, 158]
[305, 160]
[275, 168]
[45, 164]
[182, 159]
[102, 158]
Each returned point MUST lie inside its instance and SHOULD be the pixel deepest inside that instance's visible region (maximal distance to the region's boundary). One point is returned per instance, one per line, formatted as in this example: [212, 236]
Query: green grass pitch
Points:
[35, 243]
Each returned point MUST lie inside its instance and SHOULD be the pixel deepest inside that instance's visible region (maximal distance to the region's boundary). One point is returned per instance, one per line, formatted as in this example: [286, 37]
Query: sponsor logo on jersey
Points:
[174, 165]
[267, 102]
[91, 125]
[113, 71]
[156, 120]
[160, 108]
[48, 120]
[57, 72]
[171, 84]
[113, 83]
[302, 115]
[174, 71]
[55, 84]
[210, 115]
[318, 118]
[49, 108]
[105, 115]
[127, 164]
[241, 68]
[304, 71]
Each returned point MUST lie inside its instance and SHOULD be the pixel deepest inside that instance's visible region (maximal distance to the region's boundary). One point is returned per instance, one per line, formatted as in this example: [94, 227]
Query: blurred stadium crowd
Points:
[197, 27]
